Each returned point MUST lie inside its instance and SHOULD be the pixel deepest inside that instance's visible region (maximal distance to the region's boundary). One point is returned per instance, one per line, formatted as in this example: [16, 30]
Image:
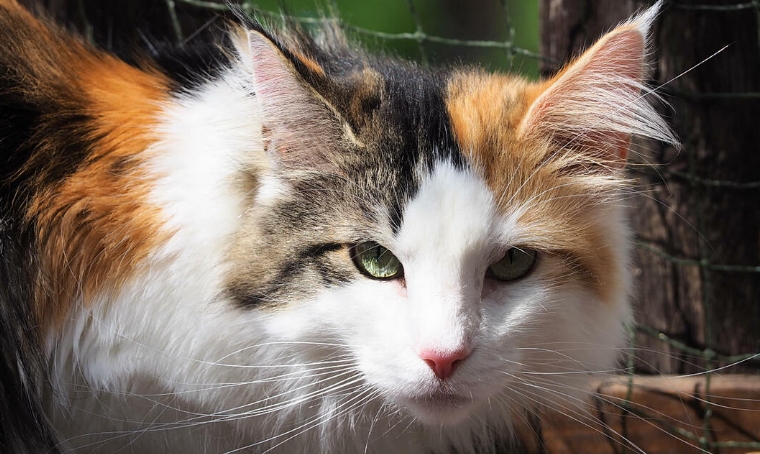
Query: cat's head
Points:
[458, 238]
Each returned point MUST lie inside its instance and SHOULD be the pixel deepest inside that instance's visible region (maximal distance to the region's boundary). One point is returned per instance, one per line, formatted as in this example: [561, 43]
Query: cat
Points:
[302, 247]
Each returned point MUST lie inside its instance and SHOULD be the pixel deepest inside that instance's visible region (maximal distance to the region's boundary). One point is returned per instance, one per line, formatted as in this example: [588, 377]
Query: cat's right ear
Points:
[596, 103]
[299, 126]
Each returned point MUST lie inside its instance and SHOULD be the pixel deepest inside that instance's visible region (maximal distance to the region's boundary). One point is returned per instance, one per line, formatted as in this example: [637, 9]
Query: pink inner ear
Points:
[621, 54]
[274, 78]
[595, 102]
[297, 124]
[617, 143]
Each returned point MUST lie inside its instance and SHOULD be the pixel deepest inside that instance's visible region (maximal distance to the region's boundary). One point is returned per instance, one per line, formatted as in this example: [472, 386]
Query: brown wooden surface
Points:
[661, 411]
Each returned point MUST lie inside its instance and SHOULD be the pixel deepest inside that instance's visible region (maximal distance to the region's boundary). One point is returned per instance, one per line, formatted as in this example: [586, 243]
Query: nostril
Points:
[443, 364]
[430, 363]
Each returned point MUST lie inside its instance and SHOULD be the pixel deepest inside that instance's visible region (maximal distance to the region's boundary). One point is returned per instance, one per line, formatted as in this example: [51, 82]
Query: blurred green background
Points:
[500, 34]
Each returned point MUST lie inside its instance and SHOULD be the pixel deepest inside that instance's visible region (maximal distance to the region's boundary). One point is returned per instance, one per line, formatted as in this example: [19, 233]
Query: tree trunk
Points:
[696, 217]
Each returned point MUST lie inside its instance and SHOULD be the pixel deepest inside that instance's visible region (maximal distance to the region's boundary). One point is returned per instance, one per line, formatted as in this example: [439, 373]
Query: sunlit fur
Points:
[228, 316]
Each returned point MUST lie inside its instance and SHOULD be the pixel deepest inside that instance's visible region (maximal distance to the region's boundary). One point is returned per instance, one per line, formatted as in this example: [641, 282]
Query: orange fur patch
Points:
[94, 226]
[485, 112]
[310, 63]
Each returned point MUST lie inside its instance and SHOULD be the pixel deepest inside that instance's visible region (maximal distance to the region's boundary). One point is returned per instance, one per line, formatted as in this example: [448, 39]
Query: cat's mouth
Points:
[439, 407]
[441, 400]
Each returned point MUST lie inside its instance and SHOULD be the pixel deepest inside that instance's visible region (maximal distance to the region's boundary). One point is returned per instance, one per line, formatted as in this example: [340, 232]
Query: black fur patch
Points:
[23, 425]
[192, 65]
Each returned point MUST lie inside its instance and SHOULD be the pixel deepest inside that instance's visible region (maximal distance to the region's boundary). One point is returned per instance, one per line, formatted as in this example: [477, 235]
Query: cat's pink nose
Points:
[443, 364]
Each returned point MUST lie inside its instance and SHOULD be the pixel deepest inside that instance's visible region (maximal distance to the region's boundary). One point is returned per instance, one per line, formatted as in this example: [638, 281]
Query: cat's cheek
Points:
[561, 333]
[364, 313]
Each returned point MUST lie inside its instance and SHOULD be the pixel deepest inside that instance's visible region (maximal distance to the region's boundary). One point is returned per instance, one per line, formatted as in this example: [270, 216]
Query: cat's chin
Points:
[439, 409]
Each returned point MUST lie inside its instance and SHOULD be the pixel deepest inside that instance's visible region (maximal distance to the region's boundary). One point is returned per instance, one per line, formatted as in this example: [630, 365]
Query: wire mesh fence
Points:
[419, 35]
[722, 343]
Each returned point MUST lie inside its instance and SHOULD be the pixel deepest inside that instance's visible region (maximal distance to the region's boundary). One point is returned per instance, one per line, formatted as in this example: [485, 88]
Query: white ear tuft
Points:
[643, 20]
[596, 102]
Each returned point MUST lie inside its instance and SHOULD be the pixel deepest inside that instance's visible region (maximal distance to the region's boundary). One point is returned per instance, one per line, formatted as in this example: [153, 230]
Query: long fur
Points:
[176, 247]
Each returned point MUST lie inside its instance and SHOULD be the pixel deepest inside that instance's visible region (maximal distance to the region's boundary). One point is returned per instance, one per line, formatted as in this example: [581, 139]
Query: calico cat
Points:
[304, 248]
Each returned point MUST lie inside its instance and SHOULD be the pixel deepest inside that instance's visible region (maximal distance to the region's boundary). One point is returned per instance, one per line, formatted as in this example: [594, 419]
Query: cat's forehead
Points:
[405, 119]
[485, 111]
[467, 118]
[464, 114]
[451, 215]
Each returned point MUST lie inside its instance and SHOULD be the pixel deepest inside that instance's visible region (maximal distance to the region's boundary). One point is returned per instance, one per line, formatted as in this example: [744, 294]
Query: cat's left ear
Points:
[595, 104]
[299, 125]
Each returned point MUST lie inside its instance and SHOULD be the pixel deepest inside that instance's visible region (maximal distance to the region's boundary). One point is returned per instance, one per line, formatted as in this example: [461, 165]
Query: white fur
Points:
[170, 349]
[168, 365]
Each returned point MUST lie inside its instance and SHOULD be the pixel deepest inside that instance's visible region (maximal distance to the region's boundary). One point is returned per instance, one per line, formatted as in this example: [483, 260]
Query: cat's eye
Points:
[516, 263]
[376, 261]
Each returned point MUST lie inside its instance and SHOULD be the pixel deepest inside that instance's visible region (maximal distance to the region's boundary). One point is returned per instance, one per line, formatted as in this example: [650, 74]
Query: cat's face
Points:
[439, 232]
[549, 312]
[486, 337]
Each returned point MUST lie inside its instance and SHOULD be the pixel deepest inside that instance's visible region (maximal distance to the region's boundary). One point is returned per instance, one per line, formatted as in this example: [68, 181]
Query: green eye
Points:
[376, 261]
[515, 264]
